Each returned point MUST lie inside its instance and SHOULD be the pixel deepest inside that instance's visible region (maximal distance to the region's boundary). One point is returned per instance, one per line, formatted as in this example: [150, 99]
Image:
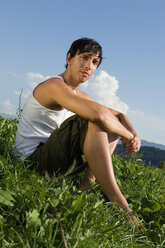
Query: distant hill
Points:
[151, 155]
[152, 144]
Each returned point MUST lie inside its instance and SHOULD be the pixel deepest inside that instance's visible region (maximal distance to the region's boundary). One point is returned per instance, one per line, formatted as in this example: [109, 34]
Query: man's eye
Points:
[84, 57]
[95, 62]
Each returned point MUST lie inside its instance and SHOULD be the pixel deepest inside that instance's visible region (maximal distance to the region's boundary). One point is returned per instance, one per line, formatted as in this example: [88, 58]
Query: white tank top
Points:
[35, 126]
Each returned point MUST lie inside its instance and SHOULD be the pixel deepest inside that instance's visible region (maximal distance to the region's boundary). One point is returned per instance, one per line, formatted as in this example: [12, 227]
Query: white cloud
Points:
[24, 95]
[33, 78]
[29, 82]
[149, 127]
[8, 108]
[104, 88]
[85, 85]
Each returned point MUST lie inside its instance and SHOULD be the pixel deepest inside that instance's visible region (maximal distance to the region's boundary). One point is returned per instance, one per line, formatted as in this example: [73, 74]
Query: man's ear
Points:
[68, 58]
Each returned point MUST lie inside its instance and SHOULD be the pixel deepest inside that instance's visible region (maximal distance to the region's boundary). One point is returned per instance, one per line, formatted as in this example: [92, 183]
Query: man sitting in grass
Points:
[60, 123]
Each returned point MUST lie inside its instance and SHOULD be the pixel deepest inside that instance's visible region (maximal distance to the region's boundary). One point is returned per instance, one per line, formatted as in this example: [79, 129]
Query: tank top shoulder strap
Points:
[63, 81]
[59, 78]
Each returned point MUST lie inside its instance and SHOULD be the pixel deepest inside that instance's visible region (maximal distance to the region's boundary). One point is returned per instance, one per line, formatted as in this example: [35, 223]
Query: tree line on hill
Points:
[151, 155]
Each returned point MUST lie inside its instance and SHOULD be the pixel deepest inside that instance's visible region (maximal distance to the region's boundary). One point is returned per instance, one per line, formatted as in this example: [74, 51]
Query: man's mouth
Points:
[85, 73]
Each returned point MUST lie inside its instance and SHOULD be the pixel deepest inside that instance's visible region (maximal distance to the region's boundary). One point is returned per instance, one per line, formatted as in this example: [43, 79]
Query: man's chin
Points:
[83, 79]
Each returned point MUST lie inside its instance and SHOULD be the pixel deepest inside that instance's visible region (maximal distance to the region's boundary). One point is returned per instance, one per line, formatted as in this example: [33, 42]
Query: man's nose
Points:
[88, 64]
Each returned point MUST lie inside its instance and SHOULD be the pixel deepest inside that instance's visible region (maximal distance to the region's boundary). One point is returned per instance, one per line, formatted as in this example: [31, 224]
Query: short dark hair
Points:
[83, 45]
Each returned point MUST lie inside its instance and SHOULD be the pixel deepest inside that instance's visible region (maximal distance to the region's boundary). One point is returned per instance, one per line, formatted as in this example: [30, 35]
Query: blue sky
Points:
[36, 34]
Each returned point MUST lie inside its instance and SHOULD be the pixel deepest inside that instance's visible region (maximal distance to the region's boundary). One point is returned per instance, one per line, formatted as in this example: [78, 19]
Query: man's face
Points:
[83, 65]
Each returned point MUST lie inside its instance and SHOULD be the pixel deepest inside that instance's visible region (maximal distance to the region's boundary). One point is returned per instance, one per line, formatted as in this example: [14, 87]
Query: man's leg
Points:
[89, 176]
[98, 155]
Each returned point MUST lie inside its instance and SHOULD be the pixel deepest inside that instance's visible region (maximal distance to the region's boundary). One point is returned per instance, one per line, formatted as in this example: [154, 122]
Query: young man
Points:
[59, 123]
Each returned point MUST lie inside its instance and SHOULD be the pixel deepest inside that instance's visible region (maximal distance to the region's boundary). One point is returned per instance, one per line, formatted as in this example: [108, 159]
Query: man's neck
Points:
[69, 81]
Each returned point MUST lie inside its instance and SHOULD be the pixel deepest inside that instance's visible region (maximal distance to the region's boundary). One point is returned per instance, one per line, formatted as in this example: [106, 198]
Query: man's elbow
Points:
[121, 116]
[100, 116]
[96, 115]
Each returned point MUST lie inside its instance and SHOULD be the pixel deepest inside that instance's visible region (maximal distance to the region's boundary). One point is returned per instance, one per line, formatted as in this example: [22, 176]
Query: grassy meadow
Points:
[37, 211]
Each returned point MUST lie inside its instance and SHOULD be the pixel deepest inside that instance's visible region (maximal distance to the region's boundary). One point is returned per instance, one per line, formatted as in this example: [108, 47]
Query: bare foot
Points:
[86, 184]
[88, 179]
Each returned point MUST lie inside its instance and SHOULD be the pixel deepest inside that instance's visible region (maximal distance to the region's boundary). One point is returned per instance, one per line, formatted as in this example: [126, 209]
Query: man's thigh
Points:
[63, 147]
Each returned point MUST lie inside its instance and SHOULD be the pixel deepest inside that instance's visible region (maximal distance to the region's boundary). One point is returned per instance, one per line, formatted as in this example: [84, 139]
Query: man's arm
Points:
[135, 143]
[55, 90]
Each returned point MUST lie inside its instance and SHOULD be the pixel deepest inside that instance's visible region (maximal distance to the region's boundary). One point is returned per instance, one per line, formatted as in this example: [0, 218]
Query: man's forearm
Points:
[111, 124]
[126, 123]
[135, 144]
[123, 120]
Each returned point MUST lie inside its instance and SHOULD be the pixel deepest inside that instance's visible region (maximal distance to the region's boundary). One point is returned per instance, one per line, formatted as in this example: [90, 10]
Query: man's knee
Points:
[93, 127]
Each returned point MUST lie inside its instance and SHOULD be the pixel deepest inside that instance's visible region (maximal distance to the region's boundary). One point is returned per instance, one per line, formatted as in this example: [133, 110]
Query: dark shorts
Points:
[64, 148]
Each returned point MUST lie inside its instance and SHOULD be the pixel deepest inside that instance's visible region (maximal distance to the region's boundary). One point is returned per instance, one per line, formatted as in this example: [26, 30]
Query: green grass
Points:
[38, 211]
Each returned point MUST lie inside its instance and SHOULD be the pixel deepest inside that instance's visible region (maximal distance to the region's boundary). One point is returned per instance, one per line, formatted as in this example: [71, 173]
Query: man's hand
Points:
[133, 145]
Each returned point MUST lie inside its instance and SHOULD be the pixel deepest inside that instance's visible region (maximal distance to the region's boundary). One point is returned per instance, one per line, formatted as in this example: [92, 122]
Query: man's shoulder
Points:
[49, 82]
